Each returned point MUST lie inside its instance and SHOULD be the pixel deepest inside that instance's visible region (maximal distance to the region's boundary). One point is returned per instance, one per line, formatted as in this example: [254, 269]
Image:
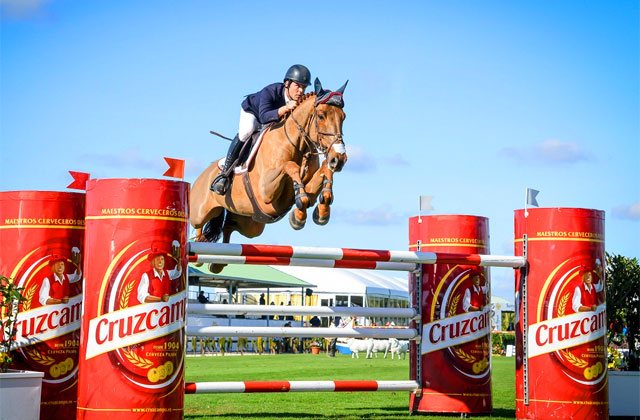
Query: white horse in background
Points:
[380, 345]
[358, 345]
[398, 347]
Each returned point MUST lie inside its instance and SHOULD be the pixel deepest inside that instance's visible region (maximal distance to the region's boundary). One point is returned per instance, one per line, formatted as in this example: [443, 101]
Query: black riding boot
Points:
[220, 185]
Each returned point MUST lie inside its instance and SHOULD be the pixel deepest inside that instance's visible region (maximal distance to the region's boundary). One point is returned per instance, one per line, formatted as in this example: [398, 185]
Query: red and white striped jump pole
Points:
[297, 386]
[215, 331]
[210, 308]
[280, 254]
[303, 262]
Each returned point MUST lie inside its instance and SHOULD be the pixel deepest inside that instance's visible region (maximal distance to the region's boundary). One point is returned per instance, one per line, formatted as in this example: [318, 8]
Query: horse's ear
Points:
[341, 90]
[317, 86]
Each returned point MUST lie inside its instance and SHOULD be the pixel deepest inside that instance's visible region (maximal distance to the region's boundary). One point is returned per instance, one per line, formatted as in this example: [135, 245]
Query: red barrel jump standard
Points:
[133, 342]
[562, 371]
[456, 317]
[41, 244]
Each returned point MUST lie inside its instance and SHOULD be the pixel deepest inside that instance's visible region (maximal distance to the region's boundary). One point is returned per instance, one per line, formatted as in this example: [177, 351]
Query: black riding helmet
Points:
[299, 74]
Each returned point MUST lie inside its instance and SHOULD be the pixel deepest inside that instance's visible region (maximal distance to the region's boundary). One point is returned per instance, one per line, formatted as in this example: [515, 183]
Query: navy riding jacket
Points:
[264, 104]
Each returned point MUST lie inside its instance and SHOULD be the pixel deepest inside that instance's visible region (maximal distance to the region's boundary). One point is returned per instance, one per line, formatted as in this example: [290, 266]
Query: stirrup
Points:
[220, 185]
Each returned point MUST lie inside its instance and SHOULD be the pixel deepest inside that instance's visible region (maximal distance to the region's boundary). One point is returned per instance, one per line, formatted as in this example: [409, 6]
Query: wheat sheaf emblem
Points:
[126, 292]
[38, 357]
[453, 305]
[464, 355]
[562, 305]
[575, 361]
[136, 360]
[28, 295]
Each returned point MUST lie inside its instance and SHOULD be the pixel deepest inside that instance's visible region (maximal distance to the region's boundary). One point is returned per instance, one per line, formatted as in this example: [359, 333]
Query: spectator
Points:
[202, 298]
[334, 341]
[289, 317]
[286, 341]
[315, 322]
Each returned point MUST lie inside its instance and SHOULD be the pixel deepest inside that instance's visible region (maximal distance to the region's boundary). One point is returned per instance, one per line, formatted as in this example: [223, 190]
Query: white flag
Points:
[425, 202]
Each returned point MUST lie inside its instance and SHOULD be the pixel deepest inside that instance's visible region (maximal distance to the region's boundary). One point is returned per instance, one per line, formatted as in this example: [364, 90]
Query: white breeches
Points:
[247, 126]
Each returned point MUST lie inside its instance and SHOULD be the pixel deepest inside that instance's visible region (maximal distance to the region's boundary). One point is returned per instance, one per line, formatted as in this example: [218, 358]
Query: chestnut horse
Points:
[285, 171]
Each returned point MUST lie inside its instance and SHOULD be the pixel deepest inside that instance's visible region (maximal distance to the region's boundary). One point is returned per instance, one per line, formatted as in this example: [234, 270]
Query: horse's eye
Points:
[321, 117]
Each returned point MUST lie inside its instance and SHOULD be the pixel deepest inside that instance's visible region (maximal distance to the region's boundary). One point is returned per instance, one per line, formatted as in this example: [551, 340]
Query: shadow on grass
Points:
[504, 412]
[382, 413]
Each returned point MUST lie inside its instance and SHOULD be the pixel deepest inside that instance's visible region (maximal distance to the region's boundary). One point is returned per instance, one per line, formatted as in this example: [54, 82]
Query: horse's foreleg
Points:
[320, 186]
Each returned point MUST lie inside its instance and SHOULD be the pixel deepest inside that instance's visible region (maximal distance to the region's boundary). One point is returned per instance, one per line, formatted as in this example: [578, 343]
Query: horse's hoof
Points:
[198, 264]
[320, 220]
[295, 224]
[302, 201]
[326, 196]
[326, 199]
[216, 268]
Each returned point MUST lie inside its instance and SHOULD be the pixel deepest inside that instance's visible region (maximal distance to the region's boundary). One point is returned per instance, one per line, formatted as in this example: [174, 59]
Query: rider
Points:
[265, 106]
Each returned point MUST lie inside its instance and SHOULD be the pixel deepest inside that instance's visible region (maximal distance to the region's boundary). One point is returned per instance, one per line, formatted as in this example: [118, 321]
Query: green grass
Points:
[320, 405]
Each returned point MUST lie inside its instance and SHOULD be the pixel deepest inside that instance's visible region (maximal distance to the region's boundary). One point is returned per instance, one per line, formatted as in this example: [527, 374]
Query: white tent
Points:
[350, 281]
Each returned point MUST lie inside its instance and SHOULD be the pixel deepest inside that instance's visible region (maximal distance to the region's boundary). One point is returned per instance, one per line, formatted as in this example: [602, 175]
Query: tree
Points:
[623, 302]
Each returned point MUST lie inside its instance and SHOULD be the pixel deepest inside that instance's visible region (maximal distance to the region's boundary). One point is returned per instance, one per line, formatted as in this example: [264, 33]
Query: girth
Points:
[258, 215]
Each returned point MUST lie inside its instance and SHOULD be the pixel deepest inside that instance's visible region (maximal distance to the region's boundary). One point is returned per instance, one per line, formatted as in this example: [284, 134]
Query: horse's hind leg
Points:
[227, 230]
[298, 217]
[244, 225]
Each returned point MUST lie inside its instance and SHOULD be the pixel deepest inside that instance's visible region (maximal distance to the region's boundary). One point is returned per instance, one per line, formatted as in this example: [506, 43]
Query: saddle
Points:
[248, 152]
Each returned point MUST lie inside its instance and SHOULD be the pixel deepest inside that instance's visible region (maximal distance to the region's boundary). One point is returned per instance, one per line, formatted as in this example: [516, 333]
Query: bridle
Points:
[316, 144]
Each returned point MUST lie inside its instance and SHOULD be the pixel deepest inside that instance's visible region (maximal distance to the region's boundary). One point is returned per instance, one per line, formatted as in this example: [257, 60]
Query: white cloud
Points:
[380, 216]
[359, 160]
[396, 160]
[21, 9]
[548, 152]
[629, 212]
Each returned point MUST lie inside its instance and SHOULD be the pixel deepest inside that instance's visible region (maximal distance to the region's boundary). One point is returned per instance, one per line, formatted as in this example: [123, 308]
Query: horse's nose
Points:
[336, 163]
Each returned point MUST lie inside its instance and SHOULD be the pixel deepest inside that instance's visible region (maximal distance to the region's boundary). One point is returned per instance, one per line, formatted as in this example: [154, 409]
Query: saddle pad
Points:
[254, 151]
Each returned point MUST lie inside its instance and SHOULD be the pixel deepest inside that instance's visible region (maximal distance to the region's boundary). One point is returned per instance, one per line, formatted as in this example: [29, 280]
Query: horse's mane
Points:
[302, 99]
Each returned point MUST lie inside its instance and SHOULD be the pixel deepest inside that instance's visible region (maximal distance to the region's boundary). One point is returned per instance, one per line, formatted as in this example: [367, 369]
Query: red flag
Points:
[176, 168]
[79, 180]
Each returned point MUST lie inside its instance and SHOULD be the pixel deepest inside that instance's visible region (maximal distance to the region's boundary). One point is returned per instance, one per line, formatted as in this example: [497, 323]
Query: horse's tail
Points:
[213, 228]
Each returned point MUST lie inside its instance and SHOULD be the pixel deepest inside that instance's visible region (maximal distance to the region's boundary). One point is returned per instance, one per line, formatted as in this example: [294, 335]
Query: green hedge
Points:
[500, 341]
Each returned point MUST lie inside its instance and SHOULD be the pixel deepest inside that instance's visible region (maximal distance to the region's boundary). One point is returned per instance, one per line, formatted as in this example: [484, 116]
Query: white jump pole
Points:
[215, 331]
[303, 262]
[210, 308]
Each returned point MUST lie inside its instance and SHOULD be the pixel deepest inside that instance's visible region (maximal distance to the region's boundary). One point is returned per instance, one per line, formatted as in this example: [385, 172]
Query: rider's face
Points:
[295, 90]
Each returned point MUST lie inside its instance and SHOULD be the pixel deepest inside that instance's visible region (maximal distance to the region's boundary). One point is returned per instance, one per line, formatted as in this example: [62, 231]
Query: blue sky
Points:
[470, 102]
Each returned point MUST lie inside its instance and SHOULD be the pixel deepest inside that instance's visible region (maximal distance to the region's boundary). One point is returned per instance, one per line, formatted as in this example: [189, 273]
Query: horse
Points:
[358, 345]
[380, 345]
[398, 347]
[286, 170]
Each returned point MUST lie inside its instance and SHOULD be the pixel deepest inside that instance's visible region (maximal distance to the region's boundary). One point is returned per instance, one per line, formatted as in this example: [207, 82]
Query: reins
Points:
[310, 143]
